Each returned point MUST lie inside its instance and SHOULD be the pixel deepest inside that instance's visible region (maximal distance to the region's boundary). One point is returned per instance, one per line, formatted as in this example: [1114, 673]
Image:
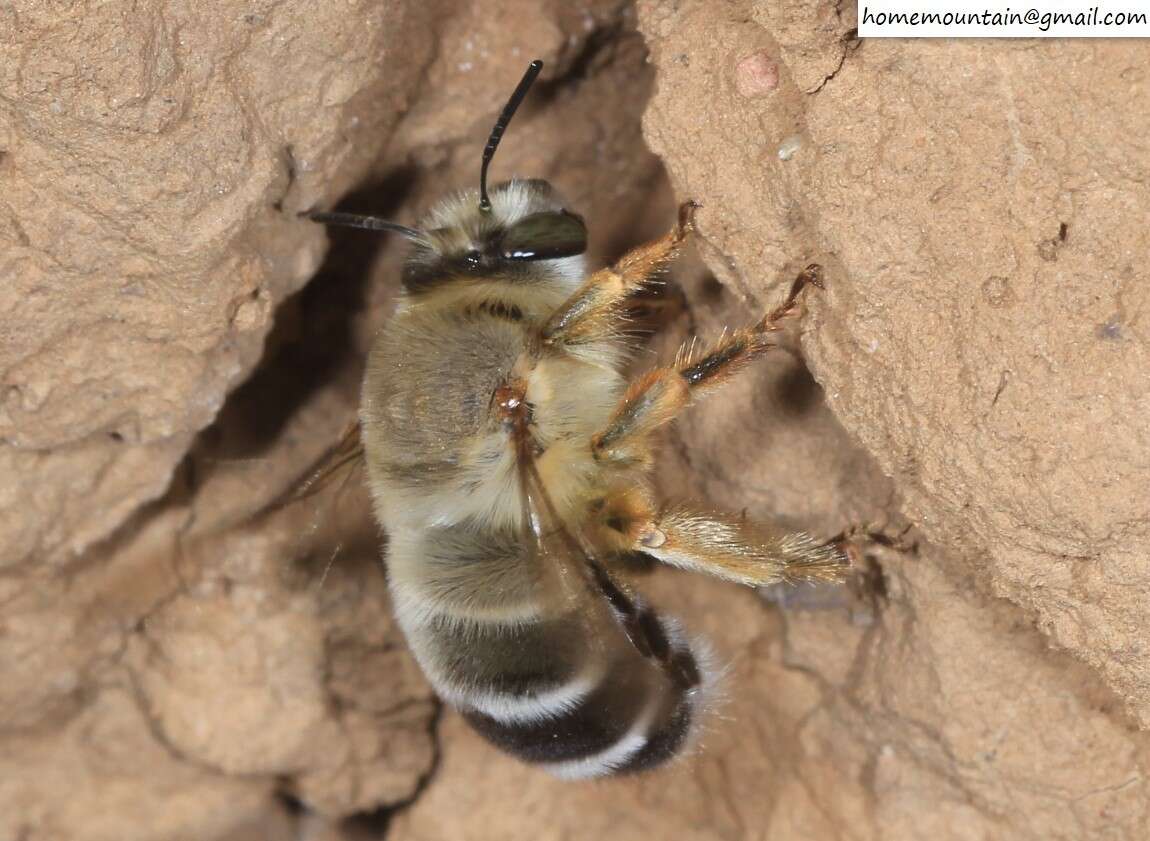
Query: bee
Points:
[508, 460]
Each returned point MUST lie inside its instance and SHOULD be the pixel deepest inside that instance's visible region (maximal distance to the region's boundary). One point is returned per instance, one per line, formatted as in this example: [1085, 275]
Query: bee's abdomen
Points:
[553, 679]
[629, 718]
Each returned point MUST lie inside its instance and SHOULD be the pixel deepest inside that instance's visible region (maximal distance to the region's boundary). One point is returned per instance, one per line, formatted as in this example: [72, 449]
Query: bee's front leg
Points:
[592, 312]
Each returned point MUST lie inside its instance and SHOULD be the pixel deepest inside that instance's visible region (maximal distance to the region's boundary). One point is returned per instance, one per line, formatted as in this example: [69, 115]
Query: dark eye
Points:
[474, 258]
[545, 236]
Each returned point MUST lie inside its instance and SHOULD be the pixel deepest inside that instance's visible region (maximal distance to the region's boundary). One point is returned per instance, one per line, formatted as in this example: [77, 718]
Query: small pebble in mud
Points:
[1111, 329]
[1048, 248]
[996, 291]
[757, 75]
[789, 146]
[249, 315]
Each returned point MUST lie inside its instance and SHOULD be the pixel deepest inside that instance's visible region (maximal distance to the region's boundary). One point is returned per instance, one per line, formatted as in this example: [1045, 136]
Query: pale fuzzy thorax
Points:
[535, 302]
[435, 338]
[574, 399]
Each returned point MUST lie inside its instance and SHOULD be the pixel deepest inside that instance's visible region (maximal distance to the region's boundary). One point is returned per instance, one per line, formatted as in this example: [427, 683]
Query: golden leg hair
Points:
[747, 553]
[660, 395]
[723, 545]
[592, 312]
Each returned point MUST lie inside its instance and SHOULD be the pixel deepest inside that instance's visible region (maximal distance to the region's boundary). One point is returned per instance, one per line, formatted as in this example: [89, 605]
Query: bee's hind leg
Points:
[726, 546]
[731, 548]
[657, 397]
[735, 550]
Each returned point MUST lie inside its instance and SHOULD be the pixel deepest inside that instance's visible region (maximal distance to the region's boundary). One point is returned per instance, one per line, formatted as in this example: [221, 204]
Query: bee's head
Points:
[520, 232]
[525, 233]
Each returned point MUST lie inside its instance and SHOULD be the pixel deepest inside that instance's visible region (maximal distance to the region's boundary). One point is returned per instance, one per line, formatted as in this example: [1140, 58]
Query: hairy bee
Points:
[507, 458]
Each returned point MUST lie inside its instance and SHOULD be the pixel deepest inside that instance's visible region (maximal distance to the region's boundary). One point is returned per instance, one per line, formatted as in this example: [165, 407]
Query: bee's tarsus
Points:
[687, 217]
[812, 275]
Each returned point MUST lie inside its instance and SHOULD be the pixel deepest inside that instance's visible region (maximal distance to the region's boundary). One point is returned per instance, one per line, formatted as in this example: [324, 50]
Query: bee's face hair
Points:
[462, 240]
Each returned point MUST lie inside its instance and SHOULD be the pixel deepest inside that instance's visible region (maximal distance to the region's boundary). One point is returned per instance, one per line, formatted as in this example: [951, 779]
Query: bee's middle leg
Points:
[660, 395]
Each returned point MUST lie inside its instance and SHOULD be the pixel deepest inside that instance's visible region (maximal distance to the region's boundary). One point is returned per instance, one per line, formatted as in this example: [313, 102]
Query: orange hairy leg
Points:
[658, 396]
[735, 549]
[725, 546]
[593, 310]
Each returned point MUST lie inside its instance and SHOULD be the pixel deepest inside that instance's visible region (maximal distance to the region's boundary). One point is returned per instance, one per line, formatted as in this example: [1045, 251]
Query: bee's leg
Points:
[658, 396]
[651, 309]
[734, 549]
[592, 311]
[726, 546]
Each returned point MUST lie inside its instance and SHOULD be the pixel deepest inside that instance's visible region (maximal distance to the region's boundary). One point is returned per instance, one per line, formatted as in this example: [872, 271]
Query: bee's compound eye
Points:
[545, 236]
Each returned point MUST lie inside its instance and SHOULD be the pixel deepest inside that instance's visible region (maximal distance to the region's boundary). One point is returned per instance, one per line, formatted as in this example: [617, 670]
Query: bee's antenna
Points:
[501, 125]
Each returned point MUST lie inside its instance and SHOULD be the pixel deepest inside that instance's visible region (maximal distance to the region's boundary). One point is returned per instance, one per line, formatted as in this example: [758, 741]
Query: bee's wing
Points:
[555, 545]
[571, 558]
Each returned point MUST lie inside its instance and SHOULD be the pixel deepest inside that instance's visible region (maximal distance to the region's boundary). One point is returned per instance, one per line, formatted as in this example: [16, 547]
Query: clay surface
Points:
[195, 647]
[983, 334]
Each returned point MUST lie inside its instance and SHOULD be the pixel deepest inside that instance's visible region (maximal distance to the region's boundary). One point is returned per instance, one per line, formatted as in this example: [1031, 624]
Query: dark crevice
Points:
[373, 824]
[711, 289]
[292, 804]
[594, 51]
[1003, 381]
[586, 58]
[796, 391]
[290, 170]
[312, 341]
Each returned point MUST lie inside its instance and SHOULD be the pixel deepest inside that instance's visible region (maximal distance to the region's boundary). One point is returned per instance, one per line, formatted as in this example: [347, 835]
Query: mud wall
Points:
[178, 349]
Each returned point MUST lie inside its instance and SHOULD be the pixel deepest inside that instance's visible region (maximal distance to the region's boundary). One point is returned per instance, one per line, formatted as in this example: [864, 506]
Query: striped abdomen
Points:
[582, 684]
